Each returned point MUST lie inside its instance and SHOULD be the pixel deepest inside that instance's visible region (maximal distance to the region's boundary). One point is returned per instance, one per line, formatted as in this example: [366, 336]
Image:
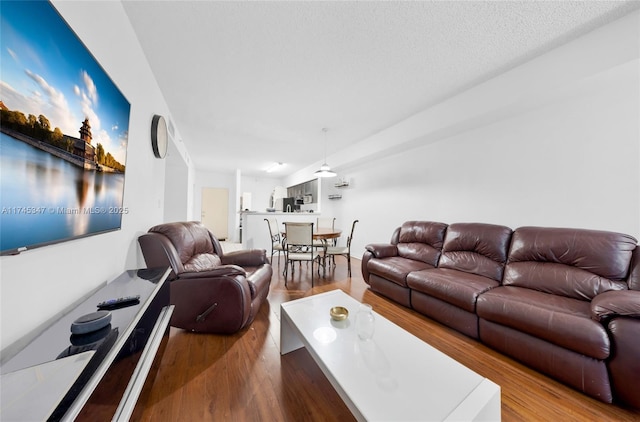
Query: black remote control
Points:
[121, 302]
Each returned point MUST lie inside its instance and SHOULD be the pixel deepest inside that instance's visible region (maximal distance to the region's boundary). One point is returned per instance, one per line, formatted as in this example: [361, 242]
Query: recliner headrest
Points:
[189, 238]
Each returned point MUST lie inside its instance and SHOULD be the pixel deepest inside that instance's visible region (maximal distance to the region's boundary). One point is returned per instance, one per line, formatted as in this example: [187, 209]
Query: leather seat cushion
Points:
[396, 268]
[560, 320]
[458, 288]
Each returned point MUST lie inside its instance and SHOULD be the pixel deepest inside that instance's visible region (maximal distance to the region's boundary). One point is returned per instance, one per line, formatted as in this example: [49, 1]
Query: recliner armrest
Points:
[194, 295]
[246, 258]
[615, 303]
[380, 250]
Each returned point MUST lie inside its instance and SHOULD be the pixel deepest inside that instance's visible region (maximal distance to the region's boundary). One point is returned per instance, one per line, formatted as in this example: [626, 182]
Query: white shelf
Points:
[341, 184]
[335, 196]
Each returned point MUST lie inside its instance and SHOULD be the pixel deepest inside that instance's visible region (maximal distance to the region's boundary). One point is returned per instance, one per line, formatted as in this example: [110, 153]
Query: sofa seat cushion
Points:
[202, 262]
[396, 268]
[560, 320]
[458, 288]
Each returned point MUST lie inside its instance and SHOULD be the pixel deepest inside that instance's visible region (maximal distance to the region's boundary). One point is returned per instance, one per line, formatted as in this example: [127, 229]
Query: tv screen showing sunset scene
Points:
[64, 132]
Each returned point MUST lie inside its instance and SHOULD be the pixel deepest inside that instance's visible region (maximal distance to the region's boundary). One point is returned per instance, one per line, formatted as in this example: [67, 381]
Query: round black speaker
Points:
[91, 322]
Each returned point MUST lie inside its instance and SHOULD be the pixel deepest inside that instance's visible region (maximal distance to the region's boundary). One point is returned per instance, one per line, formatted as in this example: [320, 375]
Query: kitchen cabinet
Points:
[307, 191]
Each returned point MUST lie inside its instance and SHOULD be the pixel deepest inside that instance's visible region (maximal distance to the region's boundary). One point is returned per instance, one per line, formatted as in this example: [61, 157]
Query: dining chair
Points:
[332, 251]
[325, 223]
[276, 239]
[299, 247]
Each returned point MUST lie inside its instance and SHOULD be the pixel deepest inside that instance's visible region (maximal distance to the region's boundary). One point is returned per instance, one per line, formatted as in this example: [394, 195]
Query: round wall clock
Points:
[159, 136]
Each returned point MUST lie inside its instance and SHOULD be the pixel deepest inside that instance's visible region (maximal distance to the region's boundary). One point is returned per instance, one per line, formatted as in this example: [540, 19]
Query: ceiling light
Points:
[275, 166]
[325, 170]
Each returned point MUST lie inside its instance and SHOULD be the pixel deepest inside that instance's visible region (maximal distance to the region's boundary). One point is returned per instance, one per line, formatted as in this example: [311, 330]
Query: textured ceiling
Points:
[250, 83]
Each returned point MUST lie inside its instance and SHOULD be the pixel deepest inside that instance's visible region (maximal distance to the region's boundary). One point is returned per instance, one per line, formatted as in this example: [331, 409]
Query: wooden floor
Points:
[242, 377]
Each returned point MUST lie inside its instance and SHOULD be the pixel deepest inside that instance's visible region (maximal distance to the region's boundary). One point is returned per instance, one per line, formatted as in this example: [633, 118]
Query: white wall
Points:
[38, 284]
[554, 142]
[176, 196]
[260, 189]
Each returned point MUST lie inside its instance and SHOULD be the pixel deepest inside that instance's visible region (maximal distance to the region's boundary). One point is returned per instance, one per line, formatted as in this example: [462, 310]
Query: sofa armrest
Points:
[376, 250]
[246, 258]
[364, 265]
[220, 271]
[382, 250]
[624, 365]
[616, 303]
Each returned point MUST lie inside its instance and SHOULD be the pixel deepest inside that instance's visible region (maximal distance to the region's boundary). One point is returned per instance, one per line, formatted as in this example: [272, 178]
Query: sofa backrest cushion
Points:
[575, 263]
[190, 238]
[421, 241]
[476, 248]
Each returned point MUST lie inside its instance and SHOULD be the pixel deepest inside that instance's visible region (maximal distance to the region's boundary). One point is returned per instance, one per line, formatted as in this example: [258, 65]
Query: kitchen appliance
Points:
[288, 204]
[275, 202]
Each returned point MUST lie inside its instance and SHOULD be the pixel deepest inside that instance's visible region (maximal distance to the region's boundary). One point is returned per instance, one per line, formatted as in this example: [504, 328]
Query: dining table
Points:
[326, 233]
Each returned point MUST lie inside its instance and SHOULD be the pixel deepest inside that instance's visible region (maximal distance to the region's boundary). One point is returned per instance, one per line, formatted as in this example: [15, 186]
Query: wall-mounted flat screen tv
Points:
[63, 138]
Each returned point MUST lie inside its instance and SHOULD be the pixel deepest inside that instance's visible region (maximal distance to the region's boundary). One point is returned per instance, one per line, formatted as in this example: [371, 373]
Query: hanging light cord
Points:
[324, 129]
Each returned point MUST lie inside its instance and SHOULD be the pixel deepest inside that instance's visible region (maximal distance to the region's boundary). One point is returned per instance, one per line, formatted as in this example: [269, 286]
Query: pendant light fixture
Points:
[325, 170]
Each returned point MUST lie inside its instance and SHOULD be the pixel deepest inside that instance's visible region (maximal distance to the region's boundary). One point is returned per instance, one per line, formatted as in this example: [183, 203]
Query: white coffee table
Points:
[395, 376]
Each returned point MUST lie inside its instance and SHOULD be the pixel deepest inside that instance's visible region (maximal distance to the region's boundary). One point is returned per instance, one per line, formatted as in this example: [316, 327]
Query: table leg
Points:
[324, 258]
[289, 340]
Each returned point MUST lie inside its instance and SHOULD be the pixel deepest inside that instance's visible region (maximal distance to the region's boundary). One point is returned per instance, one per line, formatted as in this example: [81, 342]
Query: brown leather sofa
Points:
[213, 292]
[563, 301]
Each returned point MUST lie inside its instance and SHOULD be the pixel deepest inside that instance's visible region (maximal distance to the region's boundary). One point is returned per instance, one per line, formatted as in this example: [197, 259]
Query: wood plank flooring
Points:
[242, 377]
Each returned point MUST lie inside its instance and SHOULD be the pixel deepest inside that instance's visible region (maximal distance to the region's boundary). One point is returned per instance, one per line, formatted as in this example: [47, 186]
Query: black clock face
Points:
[159, 137]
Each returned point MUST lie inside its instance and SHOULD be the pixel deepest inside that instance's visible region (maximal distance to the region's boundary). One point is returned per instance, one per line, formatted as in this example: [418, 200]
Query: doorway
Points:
[215, 211]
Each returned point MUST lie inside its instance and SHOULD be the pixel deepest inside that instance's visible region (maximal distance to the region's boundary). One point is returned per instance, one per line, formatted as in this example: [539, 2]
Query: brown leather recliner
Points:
[213, 292]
